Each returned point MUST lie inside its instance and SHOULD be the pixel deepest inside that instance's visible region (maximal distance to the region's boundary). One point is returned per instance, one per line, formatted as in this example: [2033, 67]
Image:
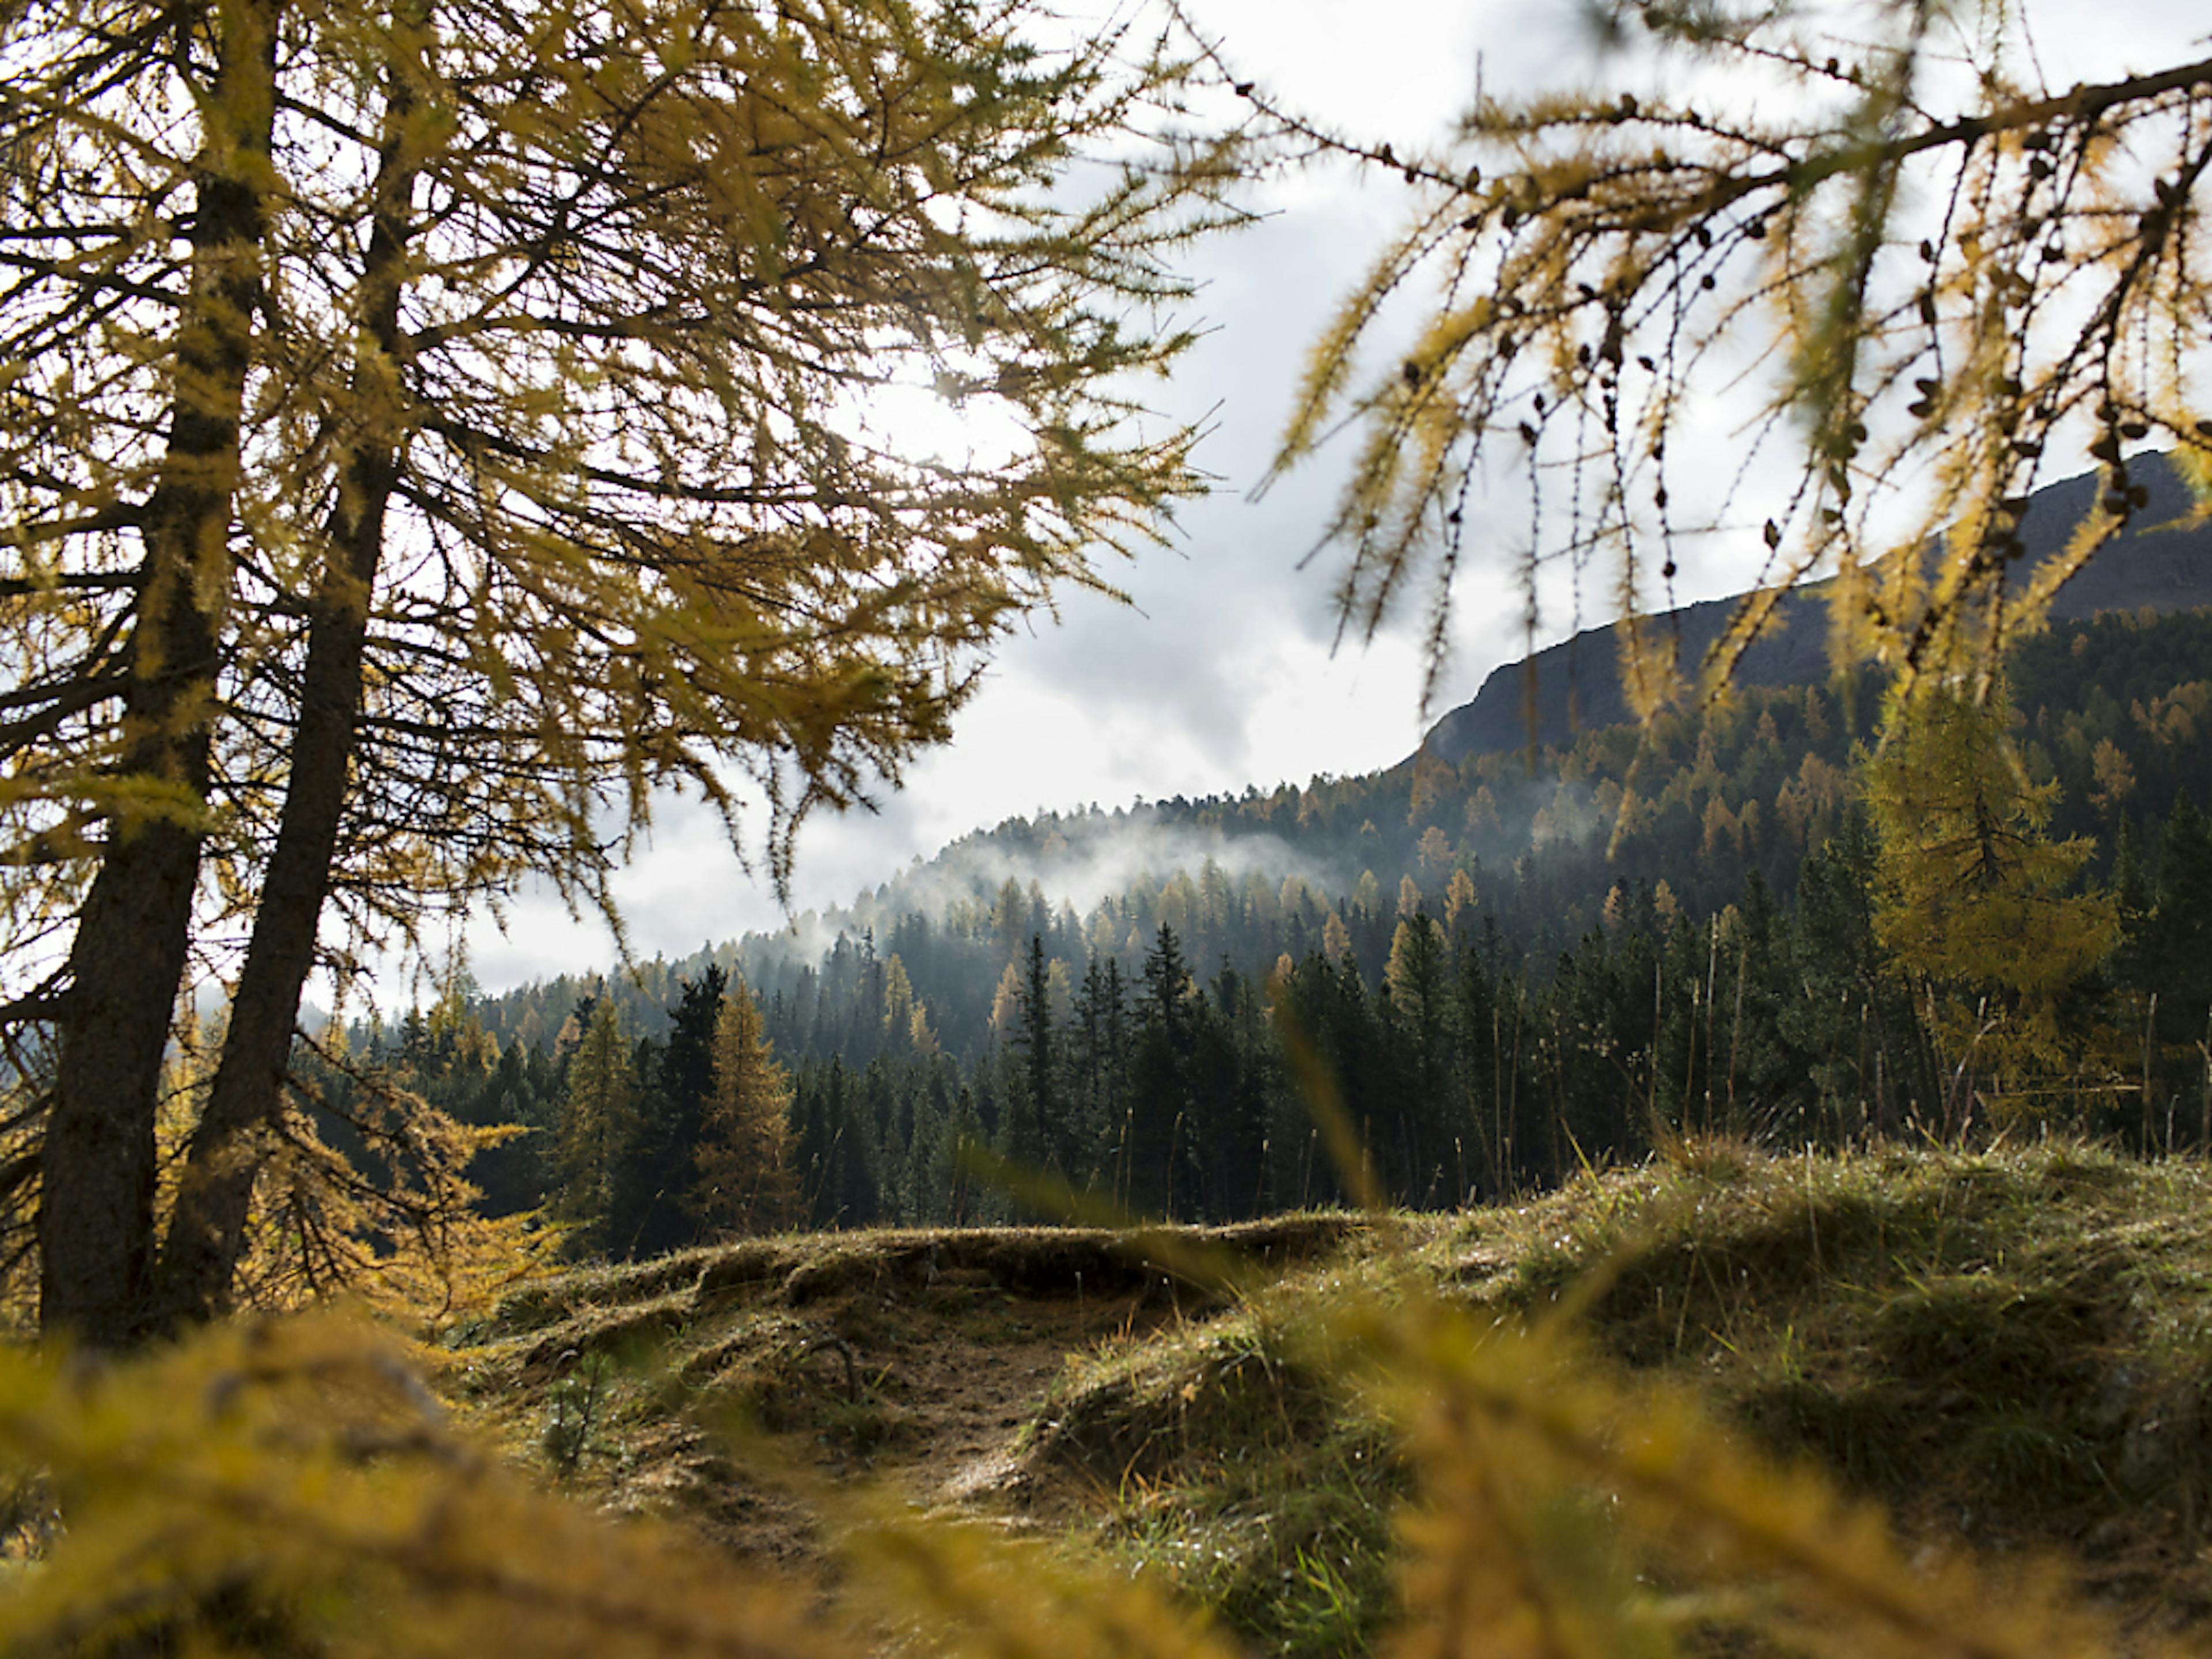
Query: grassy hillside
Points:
[2007, 1351]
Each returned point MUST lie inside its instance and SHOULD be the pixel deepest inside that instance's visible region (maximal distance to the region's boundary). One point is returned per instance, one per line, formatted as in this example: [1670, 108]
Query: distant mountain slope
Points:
[1575, 686]
[2116, 712]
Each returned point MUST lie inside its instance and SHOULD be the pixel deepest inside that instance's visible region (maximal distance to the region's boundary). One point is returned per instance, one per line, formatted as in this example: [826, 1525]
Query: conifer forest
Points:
[1493, 973]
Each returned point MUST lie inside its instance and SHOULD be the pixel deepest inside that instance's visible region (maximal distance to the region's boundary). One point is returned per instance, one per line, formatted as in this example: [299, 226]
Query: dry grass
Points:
[2007, 1350]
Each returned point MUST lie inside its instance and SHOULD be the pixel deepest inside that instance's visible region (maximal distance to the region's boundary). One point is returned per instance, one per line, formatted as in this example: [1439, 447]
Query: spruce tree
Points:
[660, 1169]
[1044, 1133]
[1155, 1157]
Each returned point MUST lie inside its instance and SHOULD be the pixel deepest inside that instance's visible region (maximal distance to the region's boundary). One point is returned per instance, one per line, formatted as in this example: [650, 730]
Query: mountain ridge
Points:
[1548, 698]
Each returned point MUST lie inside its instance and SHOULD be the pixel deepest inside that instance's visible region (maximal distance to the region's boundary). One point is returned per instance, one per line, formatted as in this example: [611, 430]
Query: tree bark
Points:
[207, 1232]
[127, 962]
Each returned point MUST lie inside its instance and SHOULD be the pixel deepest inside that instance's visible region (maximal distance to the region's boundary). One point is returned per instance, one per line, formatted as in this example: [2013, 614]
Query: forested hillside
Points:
[1506, 972]
[2161, 559]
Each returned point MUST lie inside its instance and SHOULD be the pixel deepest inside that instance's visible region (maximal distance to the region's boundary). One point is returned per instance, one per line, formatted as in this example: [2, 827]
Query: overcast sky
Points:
[1222, 673]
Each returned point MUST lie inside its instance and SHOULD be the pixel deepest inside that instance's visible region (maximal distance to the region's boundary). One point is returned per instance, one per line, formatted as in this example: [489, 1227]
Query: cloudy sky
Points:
[1222, 673]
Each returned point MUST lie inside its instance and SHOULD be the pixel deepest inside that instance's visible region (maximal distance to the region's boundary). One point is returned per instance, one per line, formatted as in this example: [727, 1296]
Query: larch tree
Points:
[1418, 975]
[597, 1125]
[1435, 852]
[1972, 899]
[136, 188]
[429, 435]
[1921, 278]
[1460, 898]
[1006, 1003]
[1367, 895]
[1335, 939]
[898, 999]
[747, 1182]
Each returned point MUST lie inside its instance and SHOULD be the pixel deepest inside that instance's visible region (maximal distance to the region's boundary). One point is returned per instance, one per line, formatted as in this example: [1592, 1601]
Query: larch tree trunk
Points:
[207, 1233]
[127, 962]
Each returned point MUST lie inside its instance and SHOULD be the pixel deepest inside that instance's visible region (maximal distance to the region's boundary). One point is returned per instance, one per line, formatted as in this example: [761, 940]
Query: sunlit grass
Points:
[1677, 1408]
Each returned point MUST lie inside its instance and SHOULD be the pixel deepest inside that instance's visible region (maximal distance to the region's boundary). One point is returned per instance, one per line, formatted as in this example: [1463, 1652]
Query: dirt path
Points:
[756, 1381]
[947, 1382]
[971, 1401]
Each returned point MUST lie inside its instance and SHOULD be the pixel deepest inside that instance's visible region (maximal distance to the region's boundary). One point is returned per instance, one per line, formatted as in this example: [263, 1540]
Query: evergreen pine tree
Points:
[661, 1170]
[2135, 896]
[1156, 1154]
[2178, 940]
[1041, 1131]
